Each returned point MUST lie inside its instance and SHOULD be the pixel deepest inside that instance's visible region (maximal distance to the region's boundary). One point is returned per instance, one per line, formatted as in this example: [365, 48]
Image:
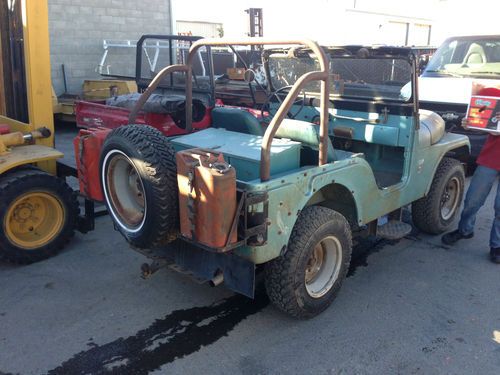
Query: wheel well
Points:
[461, 153]
[336, 197]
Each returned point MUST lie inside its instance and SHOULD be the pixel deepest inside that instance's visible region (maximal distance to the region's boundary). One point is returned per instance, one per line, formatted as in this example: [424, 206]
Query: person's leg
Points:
[479, 188]
[495, 230]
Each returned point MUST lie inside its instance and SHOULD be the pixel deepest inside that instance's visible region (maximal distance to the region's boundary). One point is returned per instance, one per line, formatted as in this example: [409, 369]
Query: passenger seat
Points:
[306, 133]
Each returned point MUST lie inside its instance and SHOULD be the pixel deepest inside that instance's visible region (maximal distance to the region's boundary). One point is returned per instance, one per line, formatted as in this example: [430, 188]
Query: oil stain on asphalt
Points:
[182, 332]
[177, 335]
[363, 249]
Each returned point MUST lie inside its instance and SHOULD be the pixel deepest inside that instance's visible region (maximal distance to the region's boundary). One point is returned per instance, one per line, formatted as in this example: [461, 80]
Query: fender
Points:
[449, 143]
[44, 156]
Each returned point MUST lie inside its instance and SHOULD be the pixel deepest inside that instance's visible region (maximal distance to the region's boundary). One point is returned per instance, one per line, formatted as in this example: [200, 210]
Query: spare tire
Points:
[139, 180]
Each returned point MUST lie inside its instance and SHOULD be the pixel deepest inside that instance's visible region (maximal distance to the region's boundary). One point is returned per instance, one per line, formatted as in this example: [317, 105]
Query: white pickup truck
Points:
[446, 83]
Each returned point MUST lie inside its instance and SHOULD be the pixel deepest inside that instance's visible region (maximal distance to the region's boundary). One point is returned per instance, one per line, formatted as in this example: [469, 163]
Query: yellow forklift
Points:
[38, 210]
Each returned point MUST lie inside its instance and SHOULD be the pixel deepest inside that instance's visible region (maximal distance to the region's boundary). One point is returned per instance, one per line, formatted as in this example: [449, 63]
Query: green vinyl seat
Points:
[236, 120]
[305, 133]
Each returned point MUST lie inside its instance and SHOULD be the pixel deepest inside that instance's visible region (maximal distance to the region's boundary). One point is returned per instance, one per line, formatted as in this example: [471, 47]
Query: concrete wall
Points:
[77, 30]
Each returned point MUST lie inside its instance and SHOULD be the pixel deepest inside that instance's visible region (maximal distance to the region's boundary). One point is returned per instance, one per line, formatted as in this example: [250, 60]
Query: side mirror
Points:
[249, 76]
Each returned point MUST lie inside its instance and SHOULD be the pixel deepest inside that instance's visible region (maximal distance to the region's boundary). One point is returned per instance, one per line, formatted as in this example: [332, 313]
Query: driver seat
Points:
[305, 133]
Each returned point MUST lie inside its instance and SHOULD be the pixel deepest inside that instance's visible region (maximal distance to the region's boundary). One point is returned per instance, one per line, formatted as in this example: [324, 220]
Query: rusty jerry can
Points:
[88, 144]
[207, 197]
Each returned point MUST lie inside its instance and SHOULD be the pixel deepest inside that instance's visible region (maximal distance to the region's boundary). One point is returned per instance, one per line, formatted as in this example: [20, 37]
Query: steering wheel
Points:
[280, 95]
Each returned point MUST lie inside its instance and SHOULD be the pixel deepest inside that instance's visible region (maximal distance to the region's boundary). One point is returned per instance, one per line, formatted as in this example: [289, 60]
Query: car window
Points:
[466, 58]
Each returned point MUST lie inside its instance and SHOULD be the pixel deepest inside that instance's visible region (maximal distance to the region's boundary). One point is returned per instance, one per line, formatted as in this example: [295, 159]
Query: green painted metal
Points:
[242, 151]
[289, 193]
[389, 163]
[292, 187]
[395, 132]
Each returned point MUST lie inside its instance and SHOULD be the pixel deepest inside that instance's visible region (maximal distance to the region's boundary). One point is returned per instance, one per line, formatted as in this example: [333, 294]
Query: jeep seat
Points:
[236, 120]
[305, 133]
[432, 127]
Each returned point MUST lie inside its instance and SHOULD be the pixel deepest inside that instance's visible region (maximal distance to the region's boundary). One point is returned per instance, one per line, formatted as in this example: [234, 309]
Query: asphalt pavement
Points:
[408, 307]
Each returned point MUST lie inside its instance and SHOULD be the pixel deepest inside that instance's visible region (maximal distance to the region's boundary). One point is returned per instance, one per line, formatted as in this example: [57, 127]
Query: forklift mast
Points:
[256, 23]
[25, 82]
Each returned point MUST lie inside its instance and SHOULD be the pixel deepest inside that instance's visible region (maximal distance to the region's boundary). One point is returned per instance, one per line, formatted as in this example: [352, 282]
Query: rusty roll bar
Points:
[321, 75]
[152, 86]
[265, 154]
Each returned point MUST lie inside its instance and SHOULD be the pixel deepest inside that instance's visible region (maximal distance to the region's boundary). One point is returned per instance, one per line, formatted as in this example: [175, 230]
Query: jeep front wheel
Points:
[306, 279]
[435, 212]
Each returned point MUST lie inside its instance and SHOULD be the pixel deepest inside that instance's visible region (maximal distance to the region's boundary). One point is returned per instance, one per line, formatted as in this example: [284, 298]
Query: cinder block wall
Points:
[77, 30]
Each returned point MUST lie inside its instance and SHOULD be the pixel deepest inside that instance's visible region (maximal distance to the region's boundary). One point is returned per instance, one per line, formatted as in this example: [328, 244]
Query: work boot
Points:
[452, 237]
[495, 255]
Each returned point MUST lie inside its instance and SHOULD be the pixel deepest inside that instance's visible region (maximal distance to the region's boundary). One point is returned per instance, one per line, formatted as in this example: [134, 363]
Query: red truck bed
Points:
[93, 115]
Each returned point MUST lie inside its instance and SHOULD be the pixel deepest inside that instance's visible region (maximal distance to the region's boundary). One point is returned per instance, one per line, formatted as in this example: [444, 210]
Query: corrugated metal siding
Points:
[204, 29]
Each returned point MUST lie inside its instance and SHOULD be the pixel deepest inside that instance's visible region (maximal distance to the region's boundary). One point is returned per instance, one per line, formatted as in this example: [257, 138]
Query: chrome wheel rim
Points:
[450, 198]
[323, 267]
[124, 191]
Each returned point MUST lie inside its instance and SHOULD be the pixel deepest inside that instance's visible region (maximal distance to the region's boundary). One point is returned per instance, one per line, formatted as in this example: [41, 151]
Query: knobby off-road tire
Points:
[435, 212]
[139, 180]
[38, 214]
[291, 281]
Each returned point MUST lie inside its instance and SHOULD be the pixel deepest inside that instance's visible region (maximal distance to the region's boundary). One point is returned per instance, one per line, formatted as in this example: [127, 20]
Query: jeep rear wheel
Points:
[306, 279]
[139, 179]
[435, 212]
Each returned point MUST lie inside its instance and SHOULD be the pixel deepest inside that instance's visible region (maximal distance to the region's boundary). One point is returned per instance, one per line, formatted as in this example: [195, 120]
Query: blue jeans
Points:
[480, 186]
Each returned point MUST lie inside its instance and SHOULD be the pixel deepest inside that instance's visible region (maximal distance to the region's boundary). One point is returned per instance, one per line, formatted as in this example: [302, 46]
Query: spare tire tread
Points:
[159, 172]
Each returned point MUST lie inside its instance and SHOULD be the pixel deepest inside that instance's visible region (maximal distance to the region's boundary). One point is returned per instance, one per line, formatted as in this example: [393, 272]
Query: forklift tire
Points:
[306, 279]
[139, 180]
[435, 212]
[38, 213]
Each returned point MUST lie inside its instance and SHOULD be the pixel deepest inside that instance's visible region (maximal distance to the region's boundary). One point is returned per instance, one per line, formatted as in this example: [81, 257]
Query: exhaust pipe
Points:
[217, 280]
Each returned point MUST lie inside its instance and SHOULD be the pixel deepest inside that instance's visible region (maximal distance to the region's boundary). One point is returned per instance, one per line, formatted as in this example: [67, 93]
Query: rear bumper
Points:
[237, 273]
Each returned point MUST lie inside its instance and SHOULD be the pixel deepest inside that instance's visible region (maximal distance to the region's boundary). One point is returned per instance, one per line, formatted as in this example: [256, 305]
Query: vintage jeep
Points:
[343, 153]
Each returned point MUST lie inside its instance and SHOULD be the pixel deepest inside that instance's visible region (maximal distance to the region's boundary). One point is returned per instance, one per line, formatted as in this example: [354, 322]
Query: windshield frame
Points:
[357, 52]
[142, 83]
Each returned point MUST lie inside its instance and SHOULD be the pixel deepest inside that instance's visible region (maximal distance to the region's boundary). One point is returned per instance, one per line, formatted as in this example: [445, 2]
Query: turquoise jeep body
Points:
[363, 187]
[390, 163]
[341, 146]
